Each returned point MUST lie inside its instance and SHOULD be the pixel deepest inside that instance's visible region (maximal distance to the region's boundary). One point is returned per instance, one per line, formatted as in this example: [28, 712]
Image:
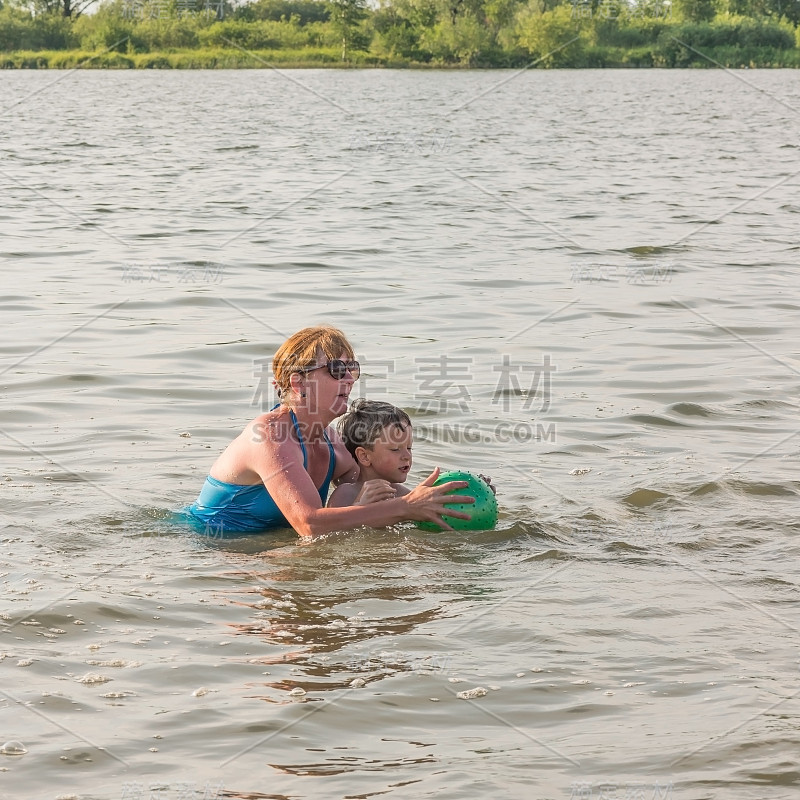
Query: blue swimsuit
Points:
[230, 508]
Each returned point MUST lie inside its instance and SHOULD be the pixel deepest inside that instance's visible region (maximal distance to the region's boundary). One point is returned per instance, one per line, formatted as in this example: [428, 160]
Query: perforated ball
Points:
[483, 511]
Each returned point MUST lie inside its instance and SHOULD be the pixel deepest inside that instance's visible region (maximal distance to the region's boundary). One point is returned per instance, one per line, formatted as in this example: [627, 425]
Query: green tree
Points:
[20, 30]
[552, 36]
[500, 12]
[396, 30]
[463, 31]
[71, 9]
[461, 41]
[420, 14]
[346, 17]
[455, 9]
[767, 8]
[304, 11]
[694, 10]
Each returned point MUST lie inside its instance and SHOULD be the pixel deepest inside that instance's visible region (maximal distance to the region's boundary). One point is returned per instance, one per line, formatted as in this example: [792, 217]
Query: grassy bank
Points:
[213, 58]
[679, 56]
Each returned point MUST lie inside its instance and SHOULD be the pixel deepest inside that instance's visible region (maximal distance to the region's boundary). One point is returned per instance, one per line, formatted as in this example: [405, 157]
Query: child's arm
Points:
[362, 494]
[375, 490]
[344, 495]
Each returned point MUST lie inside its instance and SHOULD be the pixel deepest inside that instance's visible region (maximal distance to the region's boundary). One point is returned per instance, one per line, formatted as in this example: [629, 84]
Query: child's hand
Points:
[488, 481]
[374, 491]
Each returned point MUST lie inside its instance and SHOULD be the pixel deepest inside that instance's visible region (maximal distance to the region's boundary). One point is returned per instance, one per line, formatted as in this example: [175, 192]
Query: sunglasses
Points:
[337, 368]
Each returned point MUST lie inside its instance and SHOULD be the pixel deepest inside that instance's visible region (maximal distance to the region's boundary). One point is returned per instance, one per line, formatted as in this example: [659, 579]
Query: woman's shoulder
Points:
[273, 426]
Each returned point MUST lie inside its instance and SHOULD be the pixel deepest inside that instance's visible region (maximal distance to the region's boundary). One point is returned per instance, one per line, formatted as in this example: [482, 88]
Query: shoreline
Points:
[198, 59]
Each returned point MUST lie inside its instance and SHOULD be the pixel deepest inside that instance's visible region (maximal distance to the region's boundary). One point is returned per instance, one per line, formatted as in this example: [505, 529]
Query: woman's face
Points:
[324, 393]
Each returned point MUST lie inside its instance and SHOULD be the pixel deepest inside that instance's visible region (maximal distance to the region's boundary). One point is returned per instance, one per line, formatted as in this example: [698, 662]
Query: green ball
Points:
[483, 511]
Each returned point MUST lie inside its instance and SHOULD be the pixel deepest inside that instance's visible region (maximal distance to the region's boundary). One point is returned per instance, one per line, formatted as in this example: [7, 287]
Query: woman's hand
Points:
[426, 502]
[374, 491]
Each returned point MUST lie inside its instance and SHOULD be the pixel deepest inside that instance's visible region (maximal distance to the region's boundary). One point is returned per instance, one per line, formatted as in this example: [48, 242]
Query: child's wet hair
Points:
[367, 420]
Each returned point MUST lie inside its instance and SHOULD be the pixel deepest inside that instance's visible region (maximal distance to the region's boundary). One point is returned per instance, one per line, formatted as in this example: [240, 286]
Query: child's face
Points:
[390, 456]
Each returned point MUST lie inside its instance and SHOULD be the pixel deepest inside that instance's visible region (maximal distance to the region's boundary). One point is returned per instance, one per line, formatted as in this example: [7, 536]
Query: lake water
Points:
[583, 283]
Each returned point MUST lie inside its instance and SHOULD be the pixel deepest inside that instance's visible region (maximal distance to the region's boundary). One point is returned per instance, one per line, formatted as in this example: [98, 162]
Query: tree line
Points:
[471, 33]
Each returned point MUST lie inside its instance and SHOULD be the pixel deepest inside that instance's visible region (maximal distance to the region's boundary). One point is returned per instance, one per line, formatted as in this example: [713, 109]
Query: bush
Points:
[153, 61]
[20, 31]
[112, 61]
[168, 34]
[15, 30]
[733, 32]
[612, 34]
[638, 57]
[66, 59]
[553, 36]
[114, 35]
[219, 58]
[23, 60]
[694, 10]
[399, 40]
[629, 32]
[462, 42]
[263, 35]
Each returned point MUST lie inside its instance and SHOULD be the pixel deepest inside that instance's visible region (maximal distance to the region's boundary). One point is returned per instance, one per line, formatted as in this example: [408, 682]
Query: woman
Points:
[278, 470]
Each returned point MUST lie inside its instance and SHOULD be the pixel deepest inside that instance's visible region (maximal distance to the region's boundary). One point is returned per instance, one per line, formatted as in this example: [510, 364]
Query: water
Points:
[581, 283]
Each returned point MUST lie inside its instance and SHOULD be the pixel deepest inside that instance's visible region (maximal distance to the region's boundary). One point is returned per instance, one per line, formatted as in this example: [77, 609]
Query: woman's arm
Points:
[423, 503]
[278, 461]
[298, 499]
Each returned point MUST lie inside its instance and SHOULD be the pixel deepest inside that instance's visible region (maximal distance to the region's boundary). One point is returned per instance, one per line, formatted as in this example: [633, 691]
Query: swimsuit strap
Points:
[331, 454]
[300, 438]
[293, 417]
[331, 460]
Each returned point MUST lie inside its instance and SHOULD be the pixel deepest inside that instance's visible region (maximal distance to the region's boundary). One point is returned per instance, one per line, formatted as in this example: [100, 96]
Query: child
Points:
[378, 436]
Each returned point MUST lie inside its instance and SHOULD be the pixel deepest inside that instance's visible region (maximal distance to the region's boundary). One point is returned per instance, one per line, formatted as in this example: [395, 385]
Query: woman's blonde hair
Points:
[299, 353]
